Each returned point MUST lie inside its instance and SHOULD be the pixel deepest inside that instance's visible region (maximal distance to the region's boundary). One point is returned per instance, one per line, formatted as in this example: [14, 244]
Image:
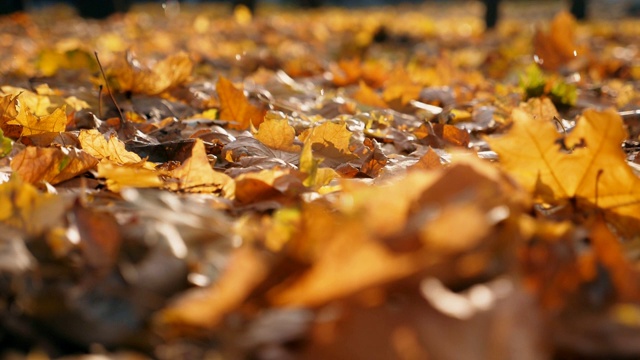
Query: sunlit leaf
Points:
[34, 125]
[106, 147]
[590, 168]
[52, 165]
[196, 175]
[132, 175]
[277, 134]
[167, 73]
[236, 108]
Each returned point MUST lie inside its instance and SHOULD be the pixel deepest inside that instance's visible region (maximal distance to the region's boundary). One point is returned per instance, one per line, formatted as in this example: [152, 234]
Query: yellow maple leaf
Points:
[52, 165]
[196, 175]
[34, 125]
[236, 108]
[277, 134]
[592, 170]
[95, 144]
[329, 134]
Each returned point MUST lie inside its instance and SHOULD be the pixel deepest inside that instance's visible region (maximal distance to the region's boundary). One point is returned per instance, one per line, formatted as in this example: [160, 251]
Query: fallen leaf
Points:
[558, 46]
[34, 125]
[23, 207]
[196, 175]
[367, 96]
[587, 164]
[329, 141]
[167, 73]
[106, 146]
[277, 134]
[236, 108]
[205, 308]
[52, 165]
[131, 175]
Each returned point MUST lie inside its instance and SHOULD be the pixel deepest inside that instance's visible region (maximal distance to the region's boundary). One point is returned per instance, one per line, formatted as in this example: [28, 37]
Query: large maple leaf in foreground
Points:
[587, 165]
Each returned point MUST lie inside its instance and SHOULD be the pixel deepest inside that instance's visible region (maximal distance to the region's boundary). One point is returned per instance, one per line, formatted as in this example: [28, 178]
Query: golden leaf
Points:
[277, 134]
[95, 144]
[37, 104]
[24, 208]
[52, 165]
[205, 308]
[328, 135]
[367, 96]
[151, 80]
[593, 169]
[34, 125]
[196, 175]
[236, 108]
[130, 175]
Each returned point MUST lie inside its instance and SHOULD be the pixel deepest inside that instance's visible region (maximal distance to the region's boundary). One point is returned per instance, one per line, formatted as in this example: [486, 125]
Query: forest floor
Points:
[371, 183]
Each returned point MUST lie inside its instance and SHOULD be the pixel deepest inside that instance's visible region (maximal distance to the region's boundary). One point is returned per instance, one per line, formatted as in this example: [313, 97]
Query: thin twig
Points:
[100, 101]
[123, 120]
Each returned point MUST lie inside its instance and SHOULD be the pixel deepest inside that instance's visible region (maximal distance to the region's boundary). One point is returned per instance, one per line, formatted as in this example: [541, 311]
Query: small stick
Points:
[100, 100]
[123, 120]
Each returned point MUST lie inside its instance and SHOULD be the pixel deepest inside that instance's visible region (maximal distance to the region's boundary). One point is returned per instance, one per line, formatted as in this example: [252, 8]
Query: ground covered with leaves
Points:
[390, 183]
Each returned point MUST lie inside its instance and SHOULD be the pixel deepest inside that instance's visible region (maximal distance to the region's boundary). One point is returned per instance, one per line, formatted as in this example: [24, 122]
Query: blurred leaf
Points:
[154, 79]
[131, 175]
[23, 207]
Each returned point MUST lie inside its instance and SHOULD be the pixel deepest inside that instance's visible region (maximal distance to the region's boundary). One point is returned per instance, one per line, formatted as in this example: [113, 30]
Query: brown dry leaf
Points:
[196, 175]
[558, 46]
[592, 170]
[236, 108]
[205, 308]
[277, 134]
[23, 207]
[52, 165]
[131, 175]
[34, 125]
[167, 73]
[95, 144]
[367, 96]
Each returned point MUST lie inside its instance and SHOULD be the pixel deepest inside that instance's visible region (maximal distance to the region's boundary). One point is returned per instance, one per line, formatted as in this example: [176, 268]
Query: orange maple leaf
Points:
[236, 108]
